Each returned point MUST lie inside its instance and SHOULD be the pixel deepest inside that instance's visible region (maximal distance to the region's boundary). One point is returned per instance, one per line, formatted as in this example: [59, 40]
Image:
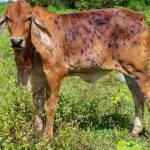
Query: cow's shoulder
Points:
[42, 12]
[38, 10]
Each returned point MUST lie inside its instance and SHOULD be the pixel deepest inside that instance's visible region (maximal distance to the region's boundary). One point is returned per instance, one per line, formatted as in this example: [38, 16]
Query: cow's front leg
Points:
[39, 99]
[51, 103]
[37, 84]
[22, 77]
[139, 105]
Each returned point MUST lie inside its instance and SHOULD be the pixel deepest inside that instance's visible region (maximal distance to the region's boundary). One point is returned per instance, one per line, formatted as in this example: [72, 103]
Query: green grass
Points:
[3, 7]
[61, 11]
[89, 116]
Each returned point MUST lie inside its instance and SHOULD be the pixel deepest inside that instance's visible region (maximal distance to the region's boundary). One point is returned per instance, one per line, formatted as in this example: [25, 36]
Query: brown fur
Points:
[91, 43]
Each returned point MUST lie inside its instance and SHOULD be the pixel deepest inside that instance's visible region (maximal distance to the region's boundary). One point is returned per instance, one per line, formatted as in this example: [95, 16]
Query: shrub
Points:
[123, 145]
[87, 4]
[137, 5]
[82, 5]
[147, 2]
[104, 3]
[56, 3]
[44, 3]
[60, 11]
[90, 4]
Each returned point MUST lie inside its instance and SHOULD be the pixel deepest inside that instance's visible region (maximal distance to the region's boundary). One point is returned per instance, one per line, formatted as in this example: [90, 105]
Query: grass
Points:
[3, 7]
[89, 116]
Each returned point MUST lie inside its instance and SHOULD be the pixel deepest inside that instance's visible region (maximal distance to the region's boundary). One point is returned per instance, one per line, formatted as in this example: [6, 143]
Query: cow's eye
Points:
[29, 19]
[8, 19]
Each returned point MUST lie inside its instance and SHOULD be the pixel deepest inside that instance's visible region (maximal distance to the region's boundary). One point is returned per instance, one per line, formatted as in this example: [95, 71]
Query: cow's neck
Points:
[28, 56]
[28, 52]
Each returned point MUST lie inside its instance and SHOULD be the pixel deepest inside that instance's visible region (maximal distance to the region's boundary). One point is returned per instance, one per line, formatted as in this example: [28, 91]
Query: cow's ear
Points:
[41, 32]
[3, 21]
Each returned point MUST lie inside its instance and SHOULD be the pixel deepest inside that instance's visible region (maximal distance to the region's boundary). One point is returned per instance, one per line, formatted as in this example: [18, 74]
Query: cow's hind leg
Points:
[143, 81]
[139, 71]
[139, 105]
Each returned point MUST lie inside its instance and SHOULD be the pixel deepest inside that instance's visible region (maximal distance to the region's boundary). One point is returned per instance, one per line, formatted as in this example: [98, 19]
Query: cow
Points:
[89, 44]
[28, 61]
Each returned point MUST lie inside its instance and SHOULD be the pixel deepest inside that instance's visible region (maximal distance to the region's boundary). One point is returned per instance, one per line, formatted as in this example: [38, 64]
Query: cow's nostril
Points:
[16, 42]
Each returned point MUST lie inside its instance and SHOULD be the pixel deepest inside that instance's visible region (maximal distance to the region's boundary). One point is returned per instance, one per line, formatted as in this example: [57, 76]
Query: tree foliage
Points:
[44, 3]
[79, 4]
[90, 4]
[58, 3]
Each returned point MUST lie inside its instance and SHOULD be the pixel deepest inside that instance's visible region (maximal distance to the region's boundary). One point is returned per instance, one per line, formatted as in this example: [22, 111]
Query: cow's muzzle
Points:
[16, 43]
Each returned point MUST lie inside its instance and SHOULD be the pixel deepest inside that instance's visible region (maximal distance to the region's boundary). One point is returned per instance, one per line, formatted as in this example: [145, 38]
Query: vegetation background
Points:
[95, 116]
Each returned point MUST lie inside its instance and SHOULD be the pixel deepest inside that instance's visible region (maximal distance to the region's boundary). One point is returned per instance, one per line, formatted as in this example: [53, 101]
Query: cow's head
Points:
[18, 19]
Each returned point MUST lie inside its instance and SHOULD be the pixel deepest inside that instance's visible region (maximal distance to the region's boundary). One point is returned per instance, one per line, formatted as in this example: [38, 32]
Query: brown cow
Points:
[28, 61]
[89, 44]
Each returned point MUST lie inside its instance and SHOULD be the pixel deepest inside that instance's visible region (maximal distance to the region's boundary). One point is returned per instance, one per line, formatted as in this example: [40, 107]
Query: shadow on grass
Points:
[87, 115]
[145, 133]
[109, 121]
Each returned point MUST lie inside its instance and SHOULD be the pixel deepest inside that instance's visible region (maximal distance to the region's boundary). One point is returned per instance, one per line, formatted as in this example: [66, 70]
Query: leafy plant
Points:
[61, 11]
[123, 145]
[82, 5]
[137, 5]
[44, 3]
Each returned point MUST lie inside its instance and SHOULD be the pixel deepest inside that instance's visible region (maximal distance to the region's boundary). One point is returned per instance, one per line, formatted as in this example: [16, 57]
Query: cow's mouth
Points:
[16, 47]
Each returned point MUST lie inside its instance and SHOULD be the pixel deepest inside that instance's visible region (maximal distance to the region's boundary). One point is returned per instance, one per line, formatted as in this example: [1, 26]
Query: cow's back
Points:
[97, 39]
[101, 38]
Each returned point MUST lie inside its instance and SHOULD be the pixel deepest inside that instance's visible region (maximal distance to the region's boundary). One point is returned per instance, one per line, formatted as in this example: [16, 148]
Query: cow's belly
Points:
[91, 76]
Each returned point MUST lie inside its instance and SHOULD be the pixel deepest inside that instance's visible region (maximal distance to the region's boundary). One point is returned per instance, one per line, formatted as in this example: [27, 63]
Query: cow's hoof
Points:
[134, 135]
[47, 134]
[136, 131]
[38, 125]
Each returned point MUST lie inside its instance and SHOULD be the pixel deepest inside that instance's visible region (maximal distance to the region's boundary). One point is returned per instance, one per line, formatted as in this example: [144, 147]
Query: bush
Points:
[60, 11]
[147, 2]
[90, 4]
[44, 3]
[82, 5]
[104, 3]
[123, 145]
[137, 5]
[56, 3]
